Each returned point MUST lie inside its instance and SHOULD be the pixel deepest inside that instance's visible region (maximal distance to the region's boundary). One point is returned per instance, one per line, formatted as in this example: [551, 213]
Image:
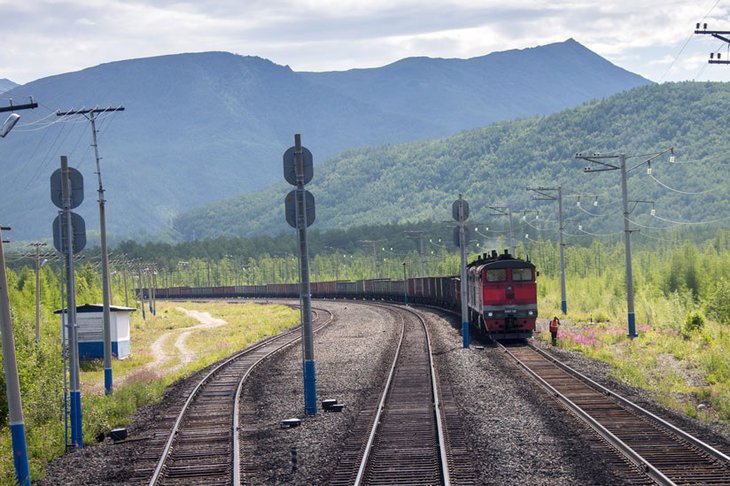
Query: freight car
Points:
[501, 293]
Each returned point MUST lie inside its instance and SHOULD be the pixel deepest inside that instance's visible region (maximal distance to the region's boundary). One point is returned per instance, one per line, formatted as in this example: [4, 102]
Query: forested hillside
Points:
[205, 126]
[492, 166]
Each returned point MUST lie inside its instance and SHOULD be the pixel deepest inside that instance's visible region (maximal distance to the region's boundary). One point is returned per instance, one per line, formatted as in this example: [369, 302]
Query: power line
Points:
[651, 176]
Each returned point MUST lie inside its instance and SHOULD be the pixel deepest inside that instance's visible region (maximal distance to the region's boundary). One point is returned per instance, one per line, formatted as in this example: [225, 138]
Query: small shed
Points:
[90, 330]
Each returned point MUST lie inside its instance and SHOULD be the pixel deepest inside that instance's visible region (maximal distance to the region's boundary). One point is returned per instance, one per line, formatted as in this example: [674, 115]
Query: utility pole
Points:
[506, 211]
[717, 34]
[460, 212]
[37, 246]
[141, 290]
[375, 255]
[601, 160]
[91, 115]
[547, 195]
[418, 235]
[405, 284]
[12, 382]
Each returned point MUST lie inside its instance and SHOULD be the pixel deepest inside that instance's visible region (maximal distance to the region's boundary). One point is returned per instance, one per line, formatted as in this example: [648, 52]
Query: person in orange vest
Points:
[554, 325]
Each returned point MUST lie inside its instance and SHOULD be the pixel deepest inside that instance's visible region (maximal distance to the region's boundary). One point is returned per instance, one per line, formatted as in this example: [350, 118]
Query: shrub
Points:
[718, 303]
[693, 322]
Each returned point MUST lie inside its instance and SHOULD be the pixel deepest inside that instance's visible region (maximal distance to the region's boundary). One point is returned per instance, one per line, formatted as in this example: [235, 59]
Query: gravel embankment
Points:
[514, 431]
[353, 357]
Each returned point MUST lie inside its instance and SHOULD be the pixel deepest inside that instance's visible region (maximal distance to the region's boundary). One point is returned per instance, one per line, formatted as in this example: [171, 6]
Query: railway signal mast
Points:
[299, 209]
[548, 194]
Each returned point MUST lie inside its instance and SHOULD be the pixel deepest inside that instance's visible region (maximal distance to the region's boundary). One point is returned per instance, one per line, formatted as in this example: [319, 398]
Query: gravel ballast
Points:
[514, 431]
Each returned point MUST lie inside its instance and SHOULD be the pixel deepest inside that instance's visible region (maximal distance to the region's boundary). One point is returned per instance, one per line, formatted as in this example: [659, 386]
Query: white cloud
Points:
[44, 37]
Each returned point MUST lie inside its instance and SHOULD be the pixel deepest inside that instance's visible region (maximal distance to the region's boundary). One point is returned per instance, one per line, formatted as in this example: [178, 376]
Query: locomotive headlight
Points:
[529, 313]
[489, 314]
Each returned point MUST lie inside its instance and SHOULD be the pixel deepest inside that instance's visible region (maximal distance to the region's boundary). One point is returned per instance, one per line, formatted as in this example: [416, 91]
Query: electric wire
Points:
[22, 125]
[691, 222]
[599, 234]
[47, 156]
[595, 215]
[684, 45]
[661, 228]
[682, 192]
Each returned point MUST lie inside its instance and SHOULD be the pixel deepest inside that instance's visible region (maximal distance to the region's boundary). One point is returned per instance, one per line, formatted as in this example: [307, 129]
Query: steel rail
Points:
[436, 405]
[708, 449]
[156, 476]
[434, 397]
[236, 472]
[381, 406]
[634, 457]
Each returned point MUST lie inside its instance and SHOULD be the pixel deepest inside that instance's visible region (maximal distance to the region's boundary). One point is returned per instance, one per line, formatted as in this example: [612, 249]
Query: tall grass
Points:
[682, 353]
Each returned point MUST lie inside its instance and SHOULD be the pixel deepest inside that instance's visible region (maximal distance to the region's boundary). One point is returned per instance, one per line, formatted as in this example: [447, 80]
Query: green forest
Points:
[492, 166]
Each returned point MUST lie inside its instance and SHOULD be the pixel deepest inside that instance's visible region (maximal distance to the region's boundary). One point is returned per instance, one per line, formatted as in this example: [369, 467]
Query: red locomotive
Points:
[502, 295]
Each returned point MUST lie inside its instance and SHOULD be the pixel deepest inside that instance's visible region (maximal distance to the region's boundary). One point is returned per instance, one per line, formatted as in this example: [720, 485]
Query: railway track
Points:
[654, 448]
[399, 438]
[202, 444]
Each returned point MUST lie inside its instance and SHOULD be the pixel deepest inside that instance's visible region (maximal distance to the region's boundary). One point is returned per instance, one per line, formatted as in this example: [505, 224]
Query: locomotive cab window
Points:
[521, 274]
[497, 275]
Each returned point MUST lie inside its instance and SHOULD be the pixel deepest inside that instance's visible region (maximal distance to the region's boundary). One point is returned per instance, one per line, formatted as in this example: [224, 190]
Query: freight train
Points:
[501, 293]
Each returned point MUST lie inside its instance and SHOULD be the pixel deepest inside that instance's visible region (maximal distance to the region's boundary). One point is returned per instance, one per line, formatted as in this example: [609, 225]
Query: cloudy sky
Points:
[653, 38]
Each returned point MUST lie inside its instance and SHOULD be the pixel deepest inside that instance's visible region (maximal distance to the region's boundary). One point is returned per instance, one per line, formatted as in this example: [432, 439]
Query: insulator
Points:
[672, 159]
[653, 212]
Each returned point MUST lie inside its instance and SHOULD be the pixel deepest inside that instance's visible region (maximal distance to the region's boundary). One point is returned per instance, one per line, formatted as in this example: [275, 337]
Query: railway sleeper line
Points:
[658, 449]
[200, 445]
[397, 436]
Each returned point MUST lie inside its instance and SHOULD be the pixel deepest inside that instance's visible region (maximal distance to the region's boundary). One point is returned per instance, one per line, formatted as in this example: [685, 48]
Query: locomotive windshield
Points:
[521, 274]
[497, 275]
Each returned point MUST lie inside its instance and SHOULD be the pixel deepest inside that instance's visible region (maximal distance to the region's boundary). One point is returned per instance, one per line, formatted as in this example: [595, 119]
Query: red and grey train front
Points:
[502, 295]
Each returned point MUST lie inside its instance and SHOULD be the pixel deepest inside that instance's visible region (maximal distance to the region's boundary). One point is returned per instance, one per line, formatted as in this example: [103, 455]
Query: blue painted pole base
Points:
[465, 333]
[108, 384]
[310, 388]
[564, 307]
[20, 454]
[77, 434]
[632, 326]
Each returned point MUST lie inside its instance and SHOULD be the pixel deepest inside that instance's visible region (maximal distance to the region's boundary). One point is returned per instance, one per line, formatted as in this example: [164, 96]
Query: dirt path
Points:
[206, 322]
[182, 352]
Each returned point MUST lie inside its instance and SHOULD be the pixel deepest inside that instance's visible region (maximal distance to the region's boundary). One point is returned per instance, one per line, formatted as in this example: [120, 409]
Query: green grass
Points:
[136, 384]
[686, 371]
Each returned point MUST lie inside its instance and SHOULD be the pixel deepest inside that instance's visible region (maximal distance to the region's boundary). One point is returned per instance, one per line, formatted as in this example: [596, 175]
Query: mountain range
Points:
[493, 166]
[6, 85]
[203, 127]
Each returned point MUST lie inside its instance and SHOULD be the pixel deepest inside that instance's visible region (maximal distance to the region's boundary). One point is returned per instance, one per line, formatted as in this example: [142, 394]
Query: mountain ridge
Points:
[201, 127]
[492, 165]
